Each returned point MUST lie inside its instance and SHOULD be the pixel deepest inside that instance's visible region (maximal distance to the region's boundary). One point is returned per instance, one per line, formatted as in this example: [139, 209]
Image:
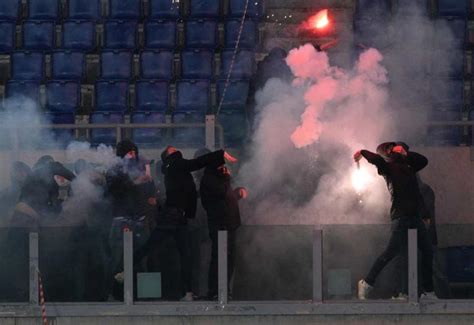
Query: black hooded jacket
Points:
[40, 190]
[179, 183]
[400, 174]
[220, 200]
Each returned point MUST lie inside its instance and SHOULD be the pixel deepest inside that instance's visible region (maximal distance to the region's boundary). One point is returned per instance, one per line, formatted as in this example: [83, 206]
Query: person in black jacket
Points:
[181, 201]
[19, 172]
[399, 166]
[39, 193]
[221, 203]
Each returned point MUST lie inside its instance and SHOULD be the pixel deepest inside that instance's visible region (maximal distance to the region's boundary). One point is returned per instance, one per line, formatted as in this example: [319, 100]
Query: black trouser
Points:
[398, 245]
[180, 236]
[213, 272]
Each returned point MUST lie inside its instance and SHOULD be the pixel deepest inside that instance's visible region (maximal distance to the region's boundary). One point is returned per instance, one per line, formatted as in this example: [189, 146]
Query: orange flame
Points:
[320, 20]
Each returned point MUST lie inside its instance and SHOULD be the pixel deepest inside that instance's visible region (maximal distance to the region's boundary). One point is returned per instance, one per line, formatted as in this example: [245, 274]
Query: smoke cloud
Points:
[301, 169]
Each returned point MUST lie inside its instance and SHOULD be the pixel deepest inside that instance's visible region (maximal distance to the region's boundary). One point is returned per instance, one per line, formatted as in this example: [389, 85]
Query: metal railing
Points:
[210, 126]
[225, 307]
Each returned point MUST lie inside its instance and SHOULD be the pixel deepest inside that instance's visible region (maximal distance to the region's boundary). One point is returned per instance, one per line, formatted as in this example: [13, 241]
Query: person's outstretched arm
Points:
[372, 158]
[213, 159]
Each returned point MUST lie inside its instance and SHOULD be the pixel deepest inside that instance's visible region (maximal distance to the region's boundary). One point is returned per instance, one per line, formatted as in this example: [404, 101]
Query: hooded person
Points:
[221, 203]
[399, 167]
[38, 202]
[129, 182]
[19, 172]
[39, 193]
[181, 202]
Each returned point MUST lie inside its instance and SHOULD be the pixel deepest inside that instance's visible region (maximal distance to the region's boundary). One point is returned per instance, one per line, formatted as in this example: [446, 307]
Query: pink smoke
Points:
[334, 88]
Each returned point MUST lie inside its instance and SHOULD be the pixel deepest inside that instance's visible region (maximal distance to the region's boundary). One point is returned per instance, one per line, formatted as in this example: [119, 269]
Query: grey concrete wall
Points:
[260, 320]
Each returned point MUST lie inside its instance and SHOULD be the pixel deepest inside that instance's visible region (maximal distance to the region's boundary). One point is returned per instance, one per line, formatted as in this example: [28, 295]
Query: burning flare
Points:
[320, 20]
[361, 178]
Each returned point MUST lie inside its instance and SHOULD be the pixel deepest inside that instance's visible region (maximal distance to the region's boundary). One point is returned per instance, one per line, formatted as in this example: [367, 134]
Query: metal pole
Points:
[34, 254]
[210, 132]
[222, 266]
[317, 264]
[128, 267]
[412, 266]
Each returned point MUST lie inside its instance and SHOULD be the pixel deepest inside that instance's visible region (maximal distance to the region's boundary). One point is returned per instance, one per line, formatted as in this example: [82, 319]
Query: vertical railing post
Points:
[33, 262]
[317, 264]
[412, 266]
[222, 267]
[210, 132]
[119, 133]
[128, 267]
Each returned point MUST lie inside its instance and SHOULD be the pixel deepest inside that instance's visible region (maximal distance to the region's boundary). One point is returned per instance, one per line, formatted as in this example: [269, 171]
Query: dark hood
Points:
[169, 160]
[125, 146]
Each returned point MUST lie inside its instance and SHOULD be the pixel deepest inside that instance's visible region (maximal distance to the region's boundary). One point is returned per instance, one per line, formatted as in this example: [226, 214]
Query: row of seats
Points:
[195, 95]
[83, 35]
[69, 65]
[124, 9]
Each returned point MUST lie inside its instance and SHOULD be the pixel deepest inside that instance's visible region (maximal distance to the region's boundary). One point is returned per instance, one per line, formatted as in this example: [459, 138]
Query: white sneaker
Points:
[363, 289]
[119, 277]
[400, 296]
[187, 297]
[428, 296]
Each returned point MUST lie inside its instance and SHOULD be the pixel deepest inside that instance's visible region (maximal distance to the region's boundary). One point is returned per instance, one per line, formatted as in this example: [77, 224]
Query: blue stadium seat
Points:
[365, 29]
[236, 8]
[164, 9]
[43, 9]
[151, 95]
[68, 65]
[60, 136]
[79, 35]
[193, 95]
[372, 9]
[121, 34]
[235, 126]
[448, 63]
[7, 36]
[197, 64]
[116, 64]
[249, 36]
[160, 34]
[201, 33]
[188, 137]
[125, 9]
[84, 9]
[236, 94]
[447, 93]
[157, 64]
[457, 8]
[147, 136]
[38, 35]
[409, 8]
[458, 29]
[10, 9]
[244, 65]
[204, 8]
[105, 136]
[111, 95]
[25, 88]
[62, 96]
[27, 66]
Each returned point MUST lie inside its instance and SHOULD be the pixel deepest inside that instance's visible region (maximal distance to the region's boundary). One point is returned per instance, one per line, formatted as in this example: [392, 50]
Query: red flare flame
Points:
[320, 20]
